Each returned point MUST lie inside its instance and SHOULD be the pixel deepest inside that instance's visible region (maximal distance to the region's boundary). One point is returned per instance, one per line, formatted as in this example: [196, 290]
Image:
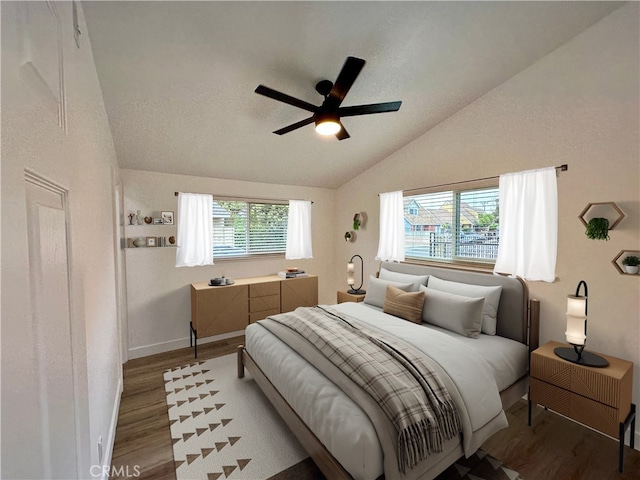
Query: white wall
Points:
[580, 106]
[159, 308]
[82, 161]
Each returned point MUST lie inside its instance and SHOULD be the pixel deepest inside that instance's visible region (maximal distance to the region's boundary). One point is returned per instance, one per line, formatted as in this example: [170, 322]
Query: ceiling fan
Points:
[327, 116]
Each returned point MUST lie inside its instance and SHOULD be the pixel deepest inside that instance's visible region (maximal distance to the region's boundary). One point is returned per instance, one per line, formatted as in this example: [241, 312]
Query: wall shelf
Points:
[608, 210]
[617, 262]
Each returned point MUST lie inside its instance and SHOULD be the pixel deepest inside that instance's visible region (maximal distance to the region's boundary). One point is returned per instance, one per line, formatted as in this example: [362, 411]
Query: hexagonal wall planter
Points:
[617, 261]
[608, 210]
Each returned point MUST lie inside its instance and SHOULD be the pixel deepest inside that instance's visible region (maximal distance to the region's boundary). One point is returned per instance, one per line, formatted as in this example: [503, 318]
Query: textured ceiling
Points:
[178, 78]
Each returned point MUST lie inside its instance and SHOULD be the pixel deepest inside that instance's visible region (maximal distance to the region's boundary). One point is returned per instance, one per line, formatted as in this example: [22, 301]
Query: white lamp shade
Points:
[576, 306]
[575, 330]
[350, 273]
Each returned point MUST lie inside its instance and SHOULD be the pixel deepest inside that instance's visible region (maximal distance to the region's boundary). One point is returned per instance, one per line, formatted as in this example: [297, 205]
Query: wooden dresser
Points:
[230, 308]
[597, 397]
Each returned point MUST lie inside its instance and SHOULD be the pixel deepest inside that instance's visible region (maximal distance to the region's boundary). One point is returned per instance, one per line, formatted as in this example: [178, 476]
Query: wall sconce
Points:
[351, 274]
[577, 332]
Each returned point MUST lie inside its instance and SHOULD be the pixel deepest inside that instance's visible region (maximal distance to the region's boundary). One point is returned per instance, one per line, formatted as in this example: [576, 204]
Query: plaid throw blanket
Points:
[409, 393]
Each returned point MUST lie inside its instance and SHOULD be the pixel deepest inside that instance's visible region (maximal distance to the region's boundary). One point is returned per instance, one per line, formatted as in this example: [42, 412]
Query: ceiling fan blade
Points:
[283, 97]
[342, 133]
[346, 77]
[368, 109]
[294, 126]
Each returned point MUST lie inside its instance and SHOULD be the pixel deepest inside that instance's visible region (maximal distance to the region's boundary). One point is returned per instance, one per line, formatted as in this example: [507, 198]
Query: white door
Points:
[51, 324]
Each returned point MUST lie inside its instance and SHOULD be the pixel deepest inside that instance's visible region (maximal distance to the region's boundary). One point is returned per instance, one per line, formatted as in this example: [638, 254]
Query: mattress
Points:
[343, 428]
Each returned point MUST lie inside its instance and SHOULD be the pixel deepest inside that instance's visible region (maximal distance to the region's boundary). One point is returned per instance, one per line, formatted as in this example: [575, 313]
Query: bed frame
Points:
[518, 319]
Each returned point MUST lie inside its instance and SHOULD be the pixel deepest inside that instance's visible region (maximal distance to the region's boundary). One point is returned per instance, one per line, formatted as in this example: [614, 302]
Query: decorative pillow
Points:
[407, 305]
[491, 295]
[377, 289]
[457, 313]
[417, 280]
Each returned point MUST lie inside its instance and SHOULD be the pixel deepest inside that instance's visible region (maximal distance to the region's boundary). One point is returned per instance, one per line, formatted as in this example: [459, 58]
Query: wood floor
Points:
[553, 448]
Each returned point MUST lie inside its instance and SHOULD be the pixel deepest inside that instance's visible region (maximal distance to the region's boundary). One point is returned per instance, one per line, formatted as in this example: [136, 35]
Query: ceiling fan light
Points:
[327, 126]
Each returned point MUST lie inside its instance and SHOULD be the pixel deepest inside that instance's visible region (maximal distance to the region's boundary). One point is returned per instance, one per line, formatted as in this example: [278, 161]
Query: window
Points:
[454, 225]
[244, 228]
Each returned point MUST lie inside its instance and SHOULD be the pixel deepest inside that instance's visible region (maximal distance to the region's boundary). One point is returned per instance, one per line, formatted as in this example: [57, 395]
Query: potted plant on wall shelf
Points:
[598, 229]
[631, 264]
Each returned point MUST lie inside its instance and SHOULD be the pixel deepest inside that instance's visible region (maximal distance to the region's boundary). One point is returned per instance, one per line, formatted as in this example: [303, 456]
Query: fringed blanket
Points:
[410, 394]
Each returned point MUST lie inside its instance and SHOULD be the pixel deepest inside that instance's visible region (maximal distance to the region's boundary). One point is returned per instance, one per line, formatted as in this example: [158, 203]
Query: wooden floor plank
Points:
[552, 448]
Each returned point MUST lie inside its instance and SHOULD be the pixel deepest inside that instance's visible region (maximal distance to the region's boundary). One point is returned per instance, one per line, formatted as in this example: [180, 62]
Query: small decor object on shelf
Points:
[139, 242]
[577, 332]
[151, 241]
[631, 264]
[356, 221]
[167, 218]
[598, 229]
[132, 215]
[148, 220]
[157, 221]
[139, 218]
[172, 240]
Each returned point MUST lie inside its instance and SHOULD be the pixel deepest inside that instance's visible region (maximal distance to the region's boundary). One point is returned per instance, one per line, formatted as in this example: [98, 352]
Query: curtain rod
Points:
[561, 168]
[236, 197]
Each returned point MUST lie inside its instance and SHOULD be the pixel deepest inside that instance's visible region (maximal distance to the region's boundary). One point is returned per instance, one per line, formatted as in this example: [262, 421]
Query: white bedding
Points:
[340, 424]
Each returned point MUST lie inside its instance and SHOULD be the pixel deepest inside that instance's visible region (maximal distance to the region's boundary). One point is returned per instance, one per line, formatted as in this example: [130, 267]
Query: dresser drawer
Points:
[263, 289]
[255, 316]
[270, 302]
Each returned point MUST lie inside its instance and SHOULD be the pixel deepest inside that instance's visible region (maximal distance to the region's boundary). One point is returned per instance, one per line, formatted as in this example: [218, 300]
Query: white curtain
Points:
[299, 230]
[195, 230]
[391, 243]
[528, 225]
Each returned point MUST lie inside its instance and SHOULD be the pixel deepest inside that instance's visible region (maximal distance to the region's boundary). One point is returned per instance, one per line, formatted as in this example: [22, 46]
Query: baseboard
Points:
[108, 451]
[146, 350]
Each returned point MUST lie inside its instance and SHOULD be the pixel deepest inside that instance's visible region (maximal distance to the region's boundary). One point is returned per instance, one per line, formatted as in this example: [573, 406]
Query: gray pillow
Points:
[417, 280]
[491, 295]
[377, 289]
[457, 313]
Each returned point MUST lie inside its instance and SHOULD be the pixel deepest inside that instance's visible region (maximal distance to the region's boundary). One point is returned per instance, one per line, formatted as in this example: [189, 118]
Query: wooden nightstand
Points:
[597, 397]
[344, 296]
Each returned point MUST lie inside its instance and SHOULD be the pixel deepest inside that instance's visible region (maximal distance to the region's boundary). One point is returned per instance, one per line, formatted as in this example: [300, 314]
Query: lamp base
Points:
[585, 358]
[356, 292]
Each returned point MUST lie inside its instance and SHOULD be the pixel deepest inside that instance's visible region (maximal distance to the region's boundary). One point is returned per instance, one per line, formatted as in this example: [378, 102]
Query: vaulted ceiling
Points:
[178, 78]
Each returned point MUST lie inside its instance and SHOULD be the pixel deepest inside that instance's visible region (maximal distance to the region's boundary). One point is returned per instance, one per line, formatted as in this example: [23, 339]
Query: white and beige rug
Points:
[224, 427]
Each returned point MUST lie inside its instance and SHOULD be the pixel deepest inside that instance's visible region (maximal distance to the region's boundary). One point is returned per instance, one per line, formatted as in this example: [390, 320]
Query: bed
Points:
[483, 364]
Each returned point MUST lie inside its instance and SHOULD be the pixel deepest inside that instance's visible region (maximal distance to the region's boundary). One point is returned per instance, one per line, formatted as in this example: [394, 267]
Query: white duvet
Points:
[346, 430]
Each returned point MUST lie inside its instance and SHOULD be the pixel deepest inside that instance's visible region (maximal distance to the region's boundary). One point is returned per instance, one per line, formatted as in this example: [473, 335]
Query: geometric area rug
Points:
[479, 466]
[224, 427]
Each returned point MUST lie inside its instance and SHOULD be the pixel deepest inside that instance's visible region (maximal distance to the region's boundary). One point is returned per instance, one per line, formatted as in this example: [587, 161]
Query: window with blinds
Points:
[453, 225]
[245, 228]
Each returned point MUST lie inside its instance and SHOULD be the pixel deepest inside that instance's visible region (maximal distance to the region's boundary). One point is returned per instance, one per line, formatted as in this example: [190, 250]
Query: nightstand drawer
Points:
[611, 385]
[555, 398]
[584, 410]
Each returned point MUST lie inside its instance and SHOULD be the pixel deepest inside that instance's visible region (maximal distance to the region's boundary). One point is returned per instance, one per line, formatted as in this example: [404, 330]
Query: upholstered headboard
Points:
[513, 310]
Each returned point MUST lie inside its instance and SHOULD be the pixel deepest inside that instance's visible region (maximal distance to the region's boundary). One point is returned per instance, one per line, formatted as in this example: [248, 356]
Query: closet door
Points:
[51, 352]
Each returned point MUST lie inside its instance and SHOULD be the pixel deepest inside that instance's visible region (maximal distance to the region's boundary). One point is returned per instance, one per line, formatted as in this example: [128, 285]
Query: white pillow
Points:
[491, 295]
[457, 313]
[417, 280]
[377, 289]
